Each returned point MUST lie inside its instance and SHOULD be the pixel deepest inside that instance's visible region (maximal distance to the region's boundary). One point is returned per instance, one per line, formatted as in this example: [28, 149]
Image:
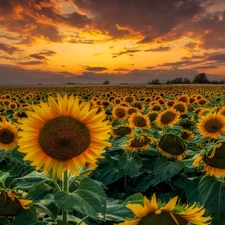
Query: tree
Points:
[200, 79]
[106, 82]
[156, 81]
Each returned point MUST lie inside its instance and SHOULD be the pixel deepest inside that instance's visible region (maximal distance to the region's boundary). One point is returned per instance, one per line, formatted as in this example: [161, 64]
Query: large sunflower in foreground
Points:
[157, 213]
[211, 125]
[63, 134]
[8, 136]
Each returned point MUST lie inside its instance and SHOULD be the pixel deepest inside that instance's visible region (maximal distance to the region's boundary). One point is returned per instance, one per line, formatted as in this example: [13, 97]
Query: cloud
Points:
[159, 49]
[42, 55]
[218, 57]
[9, 49]
[96, 68]
[21, 76]
[150, 19]
[126, 52]
[31, 63]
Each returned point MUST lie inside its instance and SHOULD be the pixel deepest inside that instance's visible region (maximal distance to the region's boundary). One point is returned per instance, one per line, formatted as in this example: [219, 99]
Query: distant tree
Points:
[201, 79]
[106, 82]
[186, 81]
[156, 81]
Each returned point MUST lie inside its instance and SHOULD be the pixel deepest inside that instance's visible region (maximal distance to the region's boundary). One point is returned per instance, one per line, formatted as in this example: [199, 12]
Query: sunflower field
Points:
[113, 155]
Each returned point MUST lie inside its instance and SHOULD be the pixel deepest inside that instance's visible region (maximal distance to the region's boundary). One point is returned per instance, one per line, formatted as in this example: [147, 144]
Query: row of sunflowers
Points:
[125, 155]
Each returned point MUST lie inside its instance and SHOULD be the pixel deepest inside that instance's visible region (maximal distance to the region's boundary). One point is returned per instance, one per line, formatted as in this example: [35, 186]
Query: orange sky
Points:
[81, 41]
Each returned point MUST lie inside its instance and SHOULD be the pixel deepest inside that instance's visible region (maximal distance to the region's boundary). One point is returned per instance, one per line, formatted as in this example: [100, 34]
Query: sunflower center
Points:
[139, 121]
[140, 142]
[218, 160]
[122, 131]
[162, 219]
[8, 207]
[64, 137]
[171, 144]
[213, 126]
[120, 113]
[180, 108]
[185, 135]
[167, 117]
[6, 136]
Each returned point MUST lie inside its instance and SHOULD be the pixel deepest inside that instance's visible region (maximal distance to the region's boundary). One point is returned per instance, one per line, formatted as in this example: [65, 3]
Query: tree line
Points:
[198, 79]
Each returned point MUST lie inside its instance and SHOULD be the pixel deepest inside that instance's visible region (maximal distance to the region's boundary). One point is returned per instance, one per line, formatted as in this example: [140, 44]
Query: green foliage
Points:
[211, 193]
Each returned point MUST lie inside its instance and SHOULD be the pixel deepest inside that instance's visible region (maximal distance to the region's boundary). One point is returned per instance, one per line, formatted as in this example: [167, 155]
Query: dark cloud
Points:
[159, 49]
[121, 69]
[96, 68]
[31, 63]
[218, 57]
[9, 49]
[152, 18]
[126, 52]
[42, 55]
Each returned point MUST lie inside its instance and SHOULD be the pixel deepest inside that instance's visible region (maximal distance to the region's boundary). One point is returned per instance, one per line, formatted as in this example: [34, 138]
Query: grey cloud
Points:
[9, 48]
[96, 68]
[31, 63]
[159, 49]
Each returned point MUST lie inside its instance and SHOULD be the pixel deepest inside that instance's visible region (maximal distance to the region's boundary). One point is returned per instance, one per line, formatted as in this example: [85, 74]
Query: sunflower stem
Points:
[66, 189]
[82, 220]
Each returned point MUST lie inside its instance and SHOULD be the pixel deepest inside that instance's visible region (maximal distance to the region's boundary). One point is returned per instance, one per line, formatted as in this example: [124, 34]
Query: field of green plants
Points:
[128, 155]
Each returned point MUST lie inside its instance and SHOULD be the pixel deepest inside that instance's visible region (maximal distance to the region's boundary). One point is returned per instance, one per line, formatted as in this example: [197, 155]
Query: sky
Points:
[122, 41]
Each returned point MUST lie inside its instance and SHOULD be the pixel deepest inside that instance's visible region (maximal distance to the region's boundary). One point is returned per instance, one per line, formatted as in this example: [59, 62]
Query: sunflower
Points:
[119, 112]
[122, 130]
[181, 107]
[139, 120]
[11, 204]
[63, 135]
[8, 135]
[211, 125]
[186, 135]
[158, 213]
[183, 98]
[129, 99]
[131, 110]
[214, 162]
[167, 118]
[172, 146]
[152, 116]
[156, 107]
[140, 142]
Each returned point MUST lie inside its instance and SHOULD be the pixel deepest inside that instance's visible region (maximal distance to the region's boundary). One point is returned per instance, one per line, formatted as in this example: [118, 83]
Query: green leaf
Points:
[109, 174]
[117, 212]
[164, 169]
[43, 209]
[145, 183]
[211, 193]
[88, 199]
[4, 220]
[134, 199]
[131, 165]
[27, 217]
[31, 180]
[3, 177]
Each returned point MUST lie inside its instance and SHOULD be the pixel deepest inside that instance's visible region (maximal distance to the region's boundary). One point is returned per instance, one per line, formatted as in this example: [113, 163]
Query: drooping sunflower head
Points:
[122, 130]
[140, 142]
[167, 118]
[11, 204]
[170, 213]
[8, 135]
[119, 112]
[214, 162]
[211, 125]
[186, 135]
[139, 120]
[63, 135]
[172, 146]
